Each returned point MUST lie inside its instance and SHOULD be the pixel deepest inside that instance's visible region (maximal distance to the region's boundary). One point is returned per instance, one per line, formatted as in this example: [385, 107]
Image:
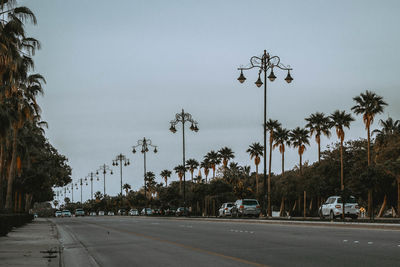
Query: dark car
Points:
[182, 212]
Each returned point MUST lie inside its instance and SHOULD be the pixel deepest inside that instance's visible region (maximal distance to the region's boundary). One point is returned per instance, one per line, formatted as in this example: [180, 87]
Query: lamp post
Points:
[71, 190]
[121, 158]
[90, 178]
[144, 144]
[265, 63]
[104, 168]
[183, 118]
[81, 182]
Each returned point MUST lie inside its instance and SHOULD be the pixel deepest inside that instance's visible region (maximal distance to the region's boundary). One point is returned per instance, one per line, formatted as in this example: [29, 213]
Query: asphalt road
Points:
[149, 241]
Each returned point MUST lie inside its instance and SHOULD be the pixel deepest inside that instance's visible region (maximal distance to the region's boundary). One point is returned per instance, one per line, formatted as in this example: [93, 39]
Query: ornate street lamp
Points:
[121, 158]
[183, 118]
[264, 64]
[144, 145]
[104, 168]
[91, 177]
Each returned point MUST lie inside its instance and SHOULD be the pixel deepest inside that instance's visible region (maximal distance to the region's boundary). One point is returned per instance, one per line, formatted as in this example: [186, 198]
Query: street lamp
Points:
[121, 158]
[183, 117]
[104, 168]
[90, 178]
[263, 64]
[144, 144]
[81, 182]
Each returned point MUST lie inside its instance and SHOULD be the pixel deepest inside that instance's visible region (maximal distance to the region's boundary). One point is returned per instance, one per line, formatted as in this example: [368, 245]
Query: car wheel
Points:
[331, 216]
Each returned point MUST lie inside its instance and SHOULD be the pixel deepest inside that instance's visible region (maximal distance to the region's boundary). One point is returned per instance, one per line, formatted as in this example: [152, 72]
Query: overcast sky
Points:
[118, 71]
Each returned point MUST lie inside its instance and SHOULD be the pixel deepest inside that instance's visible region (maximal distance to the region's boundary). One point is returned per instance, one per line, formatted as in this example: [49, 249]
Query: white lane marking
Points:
[370, 243]
[345, 240]
[155, 223]
[356, 242]
[251, 232]
[246, 231]
[241, 231]
[398, 246]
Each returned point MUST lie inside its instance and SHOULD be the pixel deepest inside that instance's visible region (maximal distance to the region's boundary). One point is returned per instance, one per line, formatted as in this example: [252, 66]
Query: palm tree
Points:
[319, 124]
[150, 182]
[299, 138]
[340, 120]
[191, 165]
[281, 138]
[226, 154]
[214, 160]
[205, 164]
[166, 174]
[126, 187]
[368, 104]
[180, 170]
[389, 127]
[256, 151]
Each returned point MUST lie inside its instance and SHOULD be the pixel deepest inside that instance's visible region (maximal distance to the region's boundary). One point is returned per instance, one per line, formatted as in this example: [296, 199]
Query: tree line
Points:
[29, 165]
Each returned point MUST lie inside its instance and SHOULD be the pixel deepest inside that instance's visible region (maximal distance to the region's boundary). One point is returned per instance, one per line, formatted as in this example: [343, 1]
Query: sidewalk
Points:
[29, 245]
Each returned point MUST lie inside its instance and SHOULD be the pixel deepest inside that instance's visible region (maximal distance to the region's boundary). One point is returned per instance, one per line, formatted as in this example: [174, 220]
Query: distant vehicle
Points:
[79, 212]
[66, 213]
[134, 212]
[182, 211]
[170, 212]
[110, 213]
[121, 212]
[333, 208]
[101, 213]
[58, 213]
[148, 210]
[35, 215]
[246, 207]
[92, 213]
[226, 209]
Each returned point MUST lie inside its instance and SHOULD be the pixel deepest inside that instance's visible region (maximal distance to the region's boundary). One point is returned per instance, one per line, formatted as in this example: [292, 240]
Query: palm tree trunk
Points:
[319, 150]
[257, 180]
[369, 145]
[370, 209]
[341, 165]
[191, 173]
[382, 209]
[283, 164]
[301, 163]
[11, 171]
[282, 209]
[269, 175]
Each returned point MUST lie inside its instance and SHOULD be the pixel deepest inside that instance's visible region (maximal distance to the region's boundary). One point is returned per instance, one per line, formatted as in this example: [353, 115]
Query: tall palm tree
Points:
[191, 165]
[299, 138]
[180, 170]
[282, 139]
[341, 120]
[126, 187]
[368, 104]
[214, 160]
[256, 151]
[389, 127]
[205, 164]
[226, 154]
[319, 124]
[166, 174]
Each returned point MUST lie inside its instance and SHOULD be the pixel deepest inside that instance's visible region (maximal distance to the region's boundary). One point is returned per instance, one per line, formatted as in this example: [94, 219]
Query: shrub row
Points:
[8, 221]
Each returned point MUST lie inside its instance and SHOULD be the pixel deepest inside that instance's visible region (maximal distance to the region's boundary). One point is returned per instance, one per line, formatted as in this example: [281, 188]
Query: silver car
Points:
[333, 208]
[246, 207]
[226, 209]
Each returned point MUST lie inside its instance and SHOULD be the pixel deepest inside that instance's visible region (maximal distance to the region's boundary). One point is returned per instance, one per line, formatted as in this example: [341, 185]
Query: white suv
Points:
[333, 208]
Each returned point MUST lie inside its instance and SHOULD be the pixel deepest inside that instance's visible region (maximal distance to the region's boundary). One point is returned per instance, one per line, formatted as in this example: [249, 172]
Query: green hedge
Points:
[8, 221]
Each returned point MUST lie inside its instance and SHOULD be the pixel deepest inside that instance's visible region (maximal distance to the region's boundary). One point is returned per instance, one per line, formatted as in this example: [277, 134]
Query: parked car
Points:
[66, 213]
[182, 211]
[333, 208]
[170, 212]
[92, 213]
[121, 212]
[79, 212]
[134, 212]
[226, 209]
[110, 213]
[246, 207]
[58, 213]
[101, 213]
[148, 210]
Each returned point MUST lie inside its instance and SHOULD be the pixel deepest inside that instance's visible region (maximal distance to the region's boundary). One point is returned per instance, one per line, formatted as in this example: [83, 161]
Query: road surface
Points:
[152, 241]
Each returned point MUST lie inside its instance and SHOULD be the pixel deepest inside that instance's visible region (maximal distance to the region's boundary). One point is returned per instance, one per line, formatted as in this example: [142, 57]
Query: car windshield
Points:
[229, 205]
[351, 200]
[250, 202]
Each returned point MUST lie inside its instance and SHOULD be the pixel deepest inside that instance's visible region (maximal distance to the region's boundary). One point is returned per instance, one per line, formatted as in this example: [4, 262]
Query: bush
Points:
[8, 221]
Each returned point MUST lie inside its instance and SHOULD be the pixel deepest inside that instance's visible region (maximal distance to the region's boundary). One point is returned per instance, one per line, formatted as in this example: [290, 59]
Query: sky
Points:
[118, 71]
